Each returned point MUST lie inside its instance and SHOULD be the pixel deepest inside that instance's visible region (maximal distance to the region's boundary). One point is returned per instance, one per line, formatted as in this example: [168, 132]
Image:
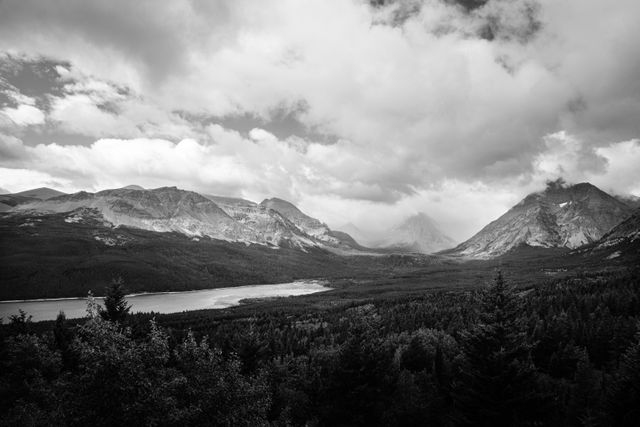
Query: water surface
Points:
[164, 302]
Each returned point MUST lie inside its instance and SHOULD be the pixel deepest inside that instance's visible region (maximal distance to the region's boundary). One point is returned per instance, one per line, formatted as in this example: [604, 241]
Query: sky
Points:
[358, 112]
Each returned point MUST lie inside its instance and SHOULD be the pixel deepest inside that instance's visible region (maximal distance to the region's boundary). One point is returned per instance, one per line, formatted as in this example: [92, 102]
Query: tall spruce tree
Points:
[497, 382]
[116, 307]
[623, 402]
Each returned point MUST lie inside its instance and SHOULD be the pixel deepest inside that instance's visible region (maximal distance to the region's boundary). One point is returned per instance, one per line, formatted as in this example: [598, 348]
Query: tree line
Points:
[561, 353]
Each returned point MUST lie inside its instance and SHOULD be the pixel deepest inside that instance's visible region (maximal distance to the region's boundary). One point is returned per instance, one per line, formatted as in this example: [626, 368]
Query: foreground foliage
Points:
[564, 353]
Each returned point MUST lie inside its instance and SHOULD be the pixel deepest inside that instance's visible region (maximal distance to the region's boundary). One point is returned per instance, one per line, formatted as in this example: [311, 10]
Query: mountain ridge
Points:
[274, 223]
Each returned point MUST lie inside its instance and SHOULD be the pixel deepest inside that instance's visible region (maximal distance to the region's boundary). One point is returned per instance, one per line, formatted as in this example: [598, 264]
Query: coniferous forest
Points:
[563, 353]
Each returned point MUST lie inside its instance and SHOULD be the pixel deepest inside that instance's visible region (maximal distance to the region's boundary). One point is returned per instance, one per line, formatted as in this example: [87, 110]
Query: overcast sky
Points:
[355, 112]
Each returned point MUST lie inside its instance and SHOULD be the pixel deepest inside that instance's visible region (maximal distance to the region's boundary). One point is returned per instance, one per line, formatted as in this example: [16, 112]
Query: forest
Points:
[565, 352]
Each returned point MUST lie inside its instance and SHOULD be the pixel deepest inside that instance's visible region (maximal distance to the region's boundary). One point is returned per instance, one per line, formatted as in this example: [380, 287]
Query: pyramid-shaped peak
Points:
[562, 215]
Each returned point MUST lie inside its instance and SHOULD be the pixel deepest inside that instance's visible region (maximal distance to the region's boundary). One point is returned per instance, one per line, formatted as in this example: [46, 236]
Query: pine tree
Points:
[497, 385]
[624, 398]
[116, 307]
[63, 336]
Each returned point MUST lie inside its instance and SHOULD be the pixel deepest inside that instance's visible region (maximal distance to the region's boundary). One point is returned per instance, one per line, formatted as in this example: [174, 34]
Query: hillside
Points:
[560, 216]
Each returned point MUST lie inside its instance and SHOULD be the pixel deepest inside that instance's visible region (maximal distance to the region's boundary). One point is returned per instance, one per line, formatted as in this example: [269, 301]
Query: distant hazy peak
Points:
[418, 232]
[42, 193]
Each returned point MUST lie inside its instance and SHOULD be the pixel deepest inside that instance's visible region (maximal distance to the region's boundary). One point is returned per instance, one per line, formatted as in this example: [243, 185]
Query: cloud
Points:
[613, 167]
[623, 173]
[24, 115]
[568, 157]
[17, 180]
[421, 98]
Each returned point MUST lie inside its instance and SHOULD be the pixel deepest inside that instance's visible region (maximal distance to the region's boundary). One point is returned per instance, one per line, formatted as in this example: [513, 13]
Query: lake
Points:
[163, 302]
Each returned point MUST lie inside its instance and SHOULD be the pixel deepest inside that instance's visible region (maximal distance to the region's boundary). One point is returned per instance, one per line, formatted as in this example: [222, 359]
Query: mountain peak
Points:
[275, 202]
[421, 233]
[562, 215]
[42, 193]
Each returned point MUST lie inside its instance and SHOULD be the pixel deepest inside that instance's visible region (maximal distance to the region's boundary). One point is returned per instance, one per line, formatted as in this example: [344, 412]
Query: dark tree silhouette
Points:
[497, 384]
[116, 307]
[624, 398]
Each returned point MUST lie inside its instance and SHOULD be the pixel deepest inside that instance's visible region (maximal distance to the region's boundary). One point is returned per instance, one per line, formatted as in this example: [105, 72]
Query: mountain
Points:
[418, 233]
[170, 209]
[273, 227]
[13, 200]
[566, 216]
[133, 187]
[624, 238]
[66, 254]
[163, 209]
[310, 226]
[163, 239]
[42, 193]
[355, 233]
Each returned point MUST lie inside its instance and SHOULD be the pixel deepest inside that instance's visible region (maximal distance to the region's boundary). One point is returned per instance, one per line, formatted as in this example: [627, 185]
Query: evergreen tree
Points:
[497, 385]
[116, 307]
[63, 336]
[624, 398]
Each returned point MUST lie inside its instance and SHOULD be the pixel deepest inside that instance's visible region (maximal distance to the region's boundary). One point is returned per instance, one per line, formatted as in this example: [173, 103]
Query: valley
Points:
[373, 336]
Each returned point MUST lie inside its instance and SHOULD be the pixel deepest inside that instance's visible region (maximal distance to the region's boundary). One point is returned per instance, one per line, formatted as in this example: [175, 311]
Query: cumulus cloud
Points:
[568, 157]
[612, 167]
[423, 99]
[24, 115]
[17, 179]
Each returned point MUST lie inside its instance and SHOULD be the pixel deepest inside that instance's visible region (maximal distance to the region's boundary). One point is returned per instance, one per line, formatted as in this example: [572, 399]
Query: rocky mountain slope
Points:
[274, 223]
[566, 216]
[310, 226]
[623, 238]
[273, 227]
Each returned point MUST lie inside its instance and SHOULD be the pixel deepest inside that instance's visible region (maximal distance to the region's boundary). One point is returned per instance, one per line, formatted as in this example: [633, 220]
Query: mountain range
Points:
[274, 222]
[561, 216]
[56, 245]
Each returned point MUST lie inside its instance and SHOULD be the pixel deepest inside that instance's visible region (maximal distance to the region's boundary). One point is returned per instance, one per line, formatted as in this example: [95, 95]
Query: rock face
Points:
[559, 216]
[270, 225]
[625, 233]
[274, 222]
[303, 222]
[163, 209]
[418, 233]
